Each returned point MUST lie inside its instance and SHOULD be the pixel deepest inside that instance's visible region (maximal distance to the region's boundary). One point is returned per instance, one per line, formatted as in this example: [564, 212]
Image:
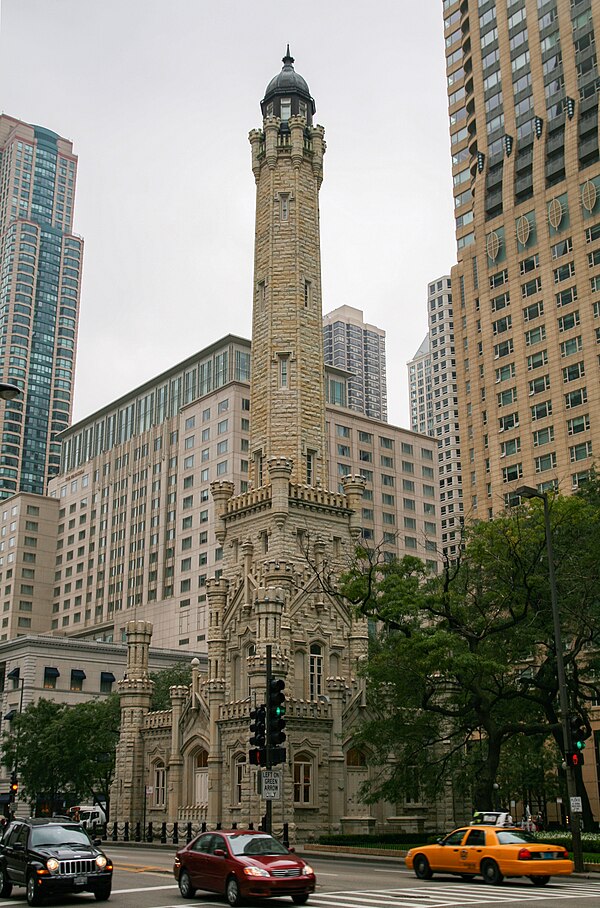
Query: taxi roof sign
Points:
[491, 818]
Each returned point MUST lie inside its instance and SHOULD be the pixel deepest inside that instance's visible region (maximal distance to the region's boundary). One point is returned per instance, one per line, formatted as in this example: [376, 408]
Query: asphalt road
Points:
[143, 879]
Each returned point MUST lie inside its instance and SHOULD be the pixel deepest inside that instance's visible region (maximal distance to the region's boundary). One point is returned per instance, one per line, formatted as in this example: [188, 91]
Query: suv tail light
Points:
[524, 854]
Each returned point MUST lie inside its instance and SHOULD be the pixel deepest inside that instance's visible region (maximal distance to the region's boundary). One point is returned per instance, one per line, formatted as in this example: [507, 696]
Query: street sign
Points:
[576, 805]
[271, 784]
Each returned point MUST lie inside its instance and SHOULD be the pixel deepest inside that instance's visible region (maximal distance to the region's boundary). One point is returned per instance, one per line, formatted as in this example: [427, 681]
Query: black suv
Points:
[50, 857]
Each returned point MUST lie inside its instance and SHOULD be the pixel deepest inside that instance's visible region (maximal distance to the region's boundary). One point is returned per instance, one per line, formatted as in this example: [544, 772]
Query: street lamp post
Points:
[9, 392]
[529, 492]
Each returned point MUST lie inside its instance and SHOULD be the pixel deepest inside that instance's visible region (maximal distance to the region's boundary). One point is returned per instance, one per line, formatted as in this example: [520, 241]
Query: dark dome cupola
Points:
[288, 94]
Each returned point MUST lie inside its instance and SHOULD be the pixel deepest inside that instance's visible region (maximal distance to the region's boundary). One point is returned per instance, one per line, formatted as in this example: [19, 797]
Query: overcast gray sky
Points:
[158, 97]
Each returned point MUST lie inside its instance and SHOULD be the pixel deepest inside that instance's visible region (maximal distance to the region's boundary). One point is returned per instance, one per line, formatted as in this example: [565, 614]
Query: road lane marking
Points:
[449, 896]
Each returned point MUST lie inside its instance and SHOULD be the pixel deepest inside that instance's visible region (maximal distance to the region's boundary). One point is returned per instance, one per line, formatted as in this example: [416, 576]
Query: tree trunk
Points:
[483, 791]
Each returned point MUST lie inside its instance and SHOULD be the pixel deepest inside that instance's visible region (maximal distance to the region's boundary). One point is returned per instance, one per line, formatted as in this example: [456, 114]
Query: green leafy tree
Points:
[64, 751]
[464, 662]
[180, 673]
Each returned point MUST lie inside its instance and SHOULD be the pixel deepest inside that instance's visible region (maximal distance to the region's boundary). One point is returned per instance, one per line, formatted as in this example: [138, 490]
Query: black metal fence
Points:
[164, 833]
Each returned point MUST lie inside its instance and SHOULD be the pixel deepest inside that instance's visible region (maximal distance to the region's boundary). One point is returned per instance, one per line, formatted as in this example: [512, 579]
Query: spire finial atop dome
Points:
[288, 59]
[288, 85]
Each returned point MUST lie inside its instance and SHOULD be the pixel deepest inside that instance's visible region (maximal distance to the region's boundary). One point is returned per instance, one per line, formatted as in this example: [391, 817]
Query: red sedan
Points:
[242, 864]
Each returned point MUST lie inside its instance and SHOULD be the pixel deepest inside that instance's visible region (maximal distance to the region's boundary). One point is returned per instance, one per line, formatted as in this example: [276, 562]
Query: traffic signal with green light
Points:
[276, 720]
[579, 732]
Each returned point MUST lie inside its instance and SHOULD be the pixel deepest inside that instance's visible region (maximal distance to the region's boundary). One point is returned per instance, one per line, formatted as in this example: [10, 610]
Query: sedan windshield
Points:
[58, 835]
[255, 844]
[514, 837]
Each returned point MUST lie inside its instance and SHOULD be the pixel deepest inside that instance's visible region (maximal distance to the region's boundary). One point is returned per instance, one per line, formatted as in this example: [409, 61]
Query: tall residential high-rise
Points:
[40, 266]
[434, 406]
[523, 103]
[419, 389]
[350, 344]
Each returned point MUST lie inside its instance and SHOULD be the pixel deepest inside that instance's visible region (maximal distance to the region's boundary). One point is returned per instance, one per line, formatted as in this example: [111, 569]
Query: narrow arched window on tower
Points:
[307, 294]
[286, 109]
[310, 467]
[284, 375]
[284, 204]
[258, 468]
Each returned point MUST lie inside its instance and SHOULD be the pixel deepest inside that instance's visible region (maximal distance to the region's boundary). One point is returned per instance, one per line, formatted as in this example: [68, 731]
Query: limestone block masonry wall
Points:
[288, 417]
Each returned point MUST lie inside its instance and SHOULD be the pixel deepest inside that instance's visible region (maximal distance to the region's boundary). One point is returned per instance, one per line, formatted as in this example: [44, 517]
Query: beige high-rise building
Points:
[434, 407]
[133, 531]
[523, 104]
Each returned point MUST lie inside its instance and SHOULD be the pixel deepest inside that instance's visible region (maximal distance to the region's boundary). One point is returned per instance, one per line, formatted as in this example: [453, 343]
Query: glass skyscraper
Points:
[40, 261]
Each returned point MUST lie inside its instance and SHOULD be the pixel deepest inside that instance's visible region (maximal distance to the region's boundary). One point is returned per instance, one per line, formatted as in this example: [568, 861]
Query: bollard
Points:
[189, 834]
[115, 832]
[175, 833]
[286, 835]
[149, 837]
[138, 831]
[163, 834]
[126, 833]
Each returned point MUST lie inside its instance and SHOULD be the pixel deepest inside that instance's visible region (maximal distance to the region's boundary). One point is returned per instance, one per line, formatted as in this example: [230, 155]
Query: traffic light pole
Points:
[268, 824]
[563, 697]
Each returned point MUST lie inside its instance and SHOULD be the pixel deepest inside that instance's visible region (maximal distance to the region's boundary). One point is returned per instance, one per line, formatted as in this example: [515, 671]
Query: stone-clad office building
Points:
[287, 529]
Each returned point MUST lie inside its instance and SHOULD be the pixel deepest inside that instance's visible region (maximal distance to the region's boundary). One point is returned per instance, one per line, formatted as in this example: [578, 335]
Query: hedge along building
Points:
[279, 539]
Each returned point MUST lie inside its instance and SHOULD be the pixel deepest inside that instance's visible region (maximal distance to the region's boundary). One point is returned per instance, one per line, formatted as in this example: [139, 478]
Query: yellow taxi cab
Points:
[493, 852]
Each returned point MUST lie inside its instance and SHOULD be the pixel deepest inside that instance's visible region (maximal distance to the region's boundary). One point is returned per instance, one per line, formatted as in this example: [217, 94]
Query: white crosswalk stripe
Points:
[453, 894]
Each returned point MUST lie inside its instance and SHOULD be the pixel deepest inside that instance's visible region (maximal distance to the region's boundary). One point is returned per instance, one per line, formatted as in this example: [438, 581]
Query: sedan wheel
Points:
[421, 867]
[185, 885]
[467, 877]
[301, 899]
[491, 873]
[232, 891]
[540, 880]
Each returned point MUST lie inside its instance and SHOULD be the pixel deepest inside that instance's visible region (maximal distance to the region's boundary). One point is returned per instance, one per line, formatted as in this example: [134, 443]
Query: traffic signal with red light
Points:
[574, 758]
[14, 785]
[276, 720]
[258, 736]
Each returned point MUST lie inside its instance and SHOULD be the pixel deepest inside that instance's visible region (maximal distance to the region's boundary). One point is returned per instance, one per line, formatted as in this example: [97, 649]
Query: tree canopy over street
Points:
[64, 751]
[462, 663]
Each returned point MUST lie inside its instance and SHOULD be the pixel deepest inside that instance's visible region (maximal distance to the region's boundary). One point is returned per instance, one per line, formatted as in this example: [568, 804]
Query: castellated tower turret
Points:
[288, 394]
